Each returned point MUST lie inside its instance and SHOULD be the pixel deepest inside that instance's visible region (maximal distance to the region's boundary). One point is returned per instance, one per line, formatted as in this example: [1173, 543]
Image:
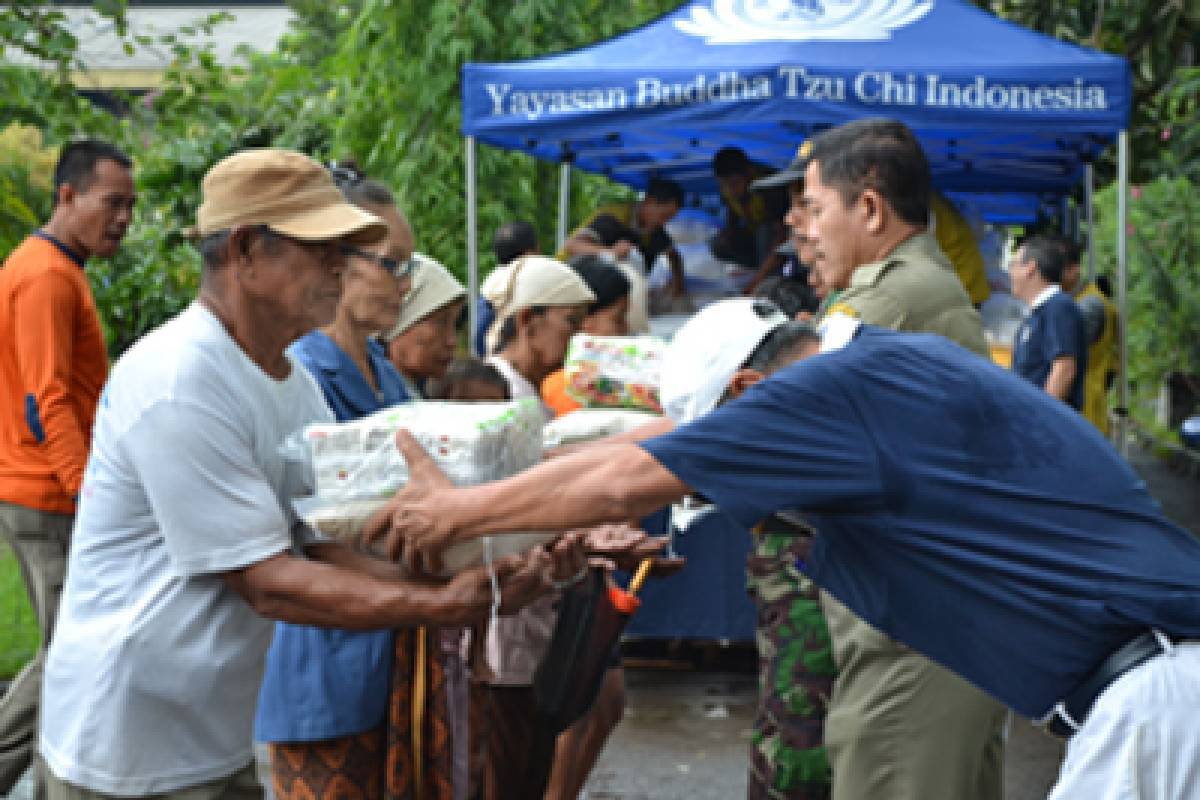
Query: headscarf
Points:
[528, 282]
[432, 288]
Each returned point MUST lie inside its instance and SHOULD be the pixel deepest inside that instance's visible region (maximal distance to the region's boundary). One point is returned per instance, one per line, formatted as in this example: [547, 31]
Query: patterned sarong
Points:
[408, 757]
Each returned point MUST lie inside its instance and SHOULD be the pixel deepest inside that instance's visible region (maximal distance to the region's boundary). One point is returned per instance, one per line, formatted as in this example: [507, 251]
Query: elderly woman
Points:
[422, 342]
[324, 703]
[540, 304]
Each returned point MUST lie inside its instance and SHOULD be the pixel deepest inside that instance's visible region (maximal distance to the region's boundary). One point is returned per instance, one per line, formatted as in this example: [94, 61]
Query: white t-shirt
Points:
[151, 680]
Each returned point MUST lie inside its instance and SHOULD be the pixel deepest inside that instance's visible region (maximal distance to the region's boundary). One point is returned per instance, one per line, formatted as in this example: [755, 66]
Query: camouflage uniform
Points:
[796, 670]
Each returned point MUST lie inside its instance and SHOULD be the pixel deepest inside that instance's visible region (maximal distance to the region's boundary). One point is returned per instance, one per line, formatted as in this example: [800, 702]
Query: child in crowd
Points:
[472, 380]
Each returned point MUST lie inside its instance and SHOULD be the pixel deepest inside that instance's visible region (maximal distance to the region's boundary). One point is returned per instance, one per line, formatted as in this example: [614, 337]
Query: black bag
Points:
[582, 649]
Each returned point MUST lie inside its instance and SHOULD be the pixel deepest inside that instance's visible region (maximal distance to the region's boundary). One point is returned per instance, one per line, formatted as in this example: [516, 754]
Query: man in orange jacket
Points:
[53, 364]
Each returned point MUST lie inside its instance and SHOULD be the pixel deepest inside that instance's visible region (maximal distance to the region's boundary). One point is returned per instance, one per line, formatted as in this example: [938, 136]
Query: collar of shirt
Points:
[518, 385]
[1044, 295]
[68, 252]
[342, 372]
[918, 247]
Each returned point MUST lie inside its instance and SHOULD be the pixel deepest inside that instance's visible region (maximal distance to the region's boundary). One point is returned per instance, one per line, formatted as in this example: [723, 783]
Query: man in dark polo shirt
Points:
[1050, 349]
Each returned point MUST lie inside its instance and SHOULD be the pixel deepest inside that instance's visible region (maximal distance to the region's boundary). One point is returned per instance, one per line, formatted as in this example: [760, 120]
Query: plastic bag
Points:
[589, 424]
[356, 467]
[615, 371]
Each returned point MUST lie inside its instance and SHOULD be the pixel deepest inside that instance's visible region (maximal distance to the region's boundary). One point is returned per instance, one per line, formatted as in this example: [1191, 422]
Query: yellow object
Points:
[418, 710]
[957, 241]
[643, 571]
[1101, 360]
[1001, 354]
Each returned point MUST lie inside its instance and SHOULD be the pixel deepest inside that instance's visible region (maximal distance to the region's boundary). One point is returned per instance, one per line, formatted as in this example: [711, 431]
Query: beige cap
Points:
[532, 281]
[432, 288]
[288, 192]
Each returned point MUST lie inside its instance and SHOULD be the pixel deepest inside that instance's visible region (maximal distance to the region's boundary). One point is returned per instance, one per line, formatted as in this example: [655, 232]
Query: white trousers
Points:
[1142, 738]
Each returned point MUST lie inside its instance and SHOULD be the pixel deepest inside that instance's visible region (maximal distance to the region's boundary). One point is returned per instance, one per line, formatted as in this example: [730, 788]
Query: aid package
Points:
[615, 371]
[356, 466]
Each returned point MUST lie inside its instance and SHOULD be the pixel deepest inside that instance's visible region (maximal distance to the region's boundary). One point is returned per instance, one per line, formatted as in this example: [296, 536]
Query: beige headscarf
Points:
[432, 287]
[531, 281]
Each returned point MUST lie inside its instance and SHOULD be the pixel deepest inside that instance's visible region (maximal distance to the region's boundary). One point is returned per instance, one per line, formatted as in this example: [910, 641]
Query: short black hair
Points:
[1071, 249]
[76, 165]
[665, 190]
[603, 277]
[466, 370]
[730, 161]
[1049, 256]
[780, 346]
[879, 154]
[790, 294]
[356, 187]
[513, 240]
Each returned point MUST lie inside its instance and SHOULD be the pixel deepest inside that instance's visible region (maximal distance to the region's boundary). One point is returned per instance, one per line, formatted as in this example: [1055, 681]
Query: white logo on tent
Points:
[743, 21]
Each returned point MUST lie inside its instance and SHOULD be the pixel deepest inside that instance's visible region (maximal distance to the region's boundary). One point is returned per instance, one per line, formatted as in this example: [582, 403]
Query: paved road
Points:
[685, 734]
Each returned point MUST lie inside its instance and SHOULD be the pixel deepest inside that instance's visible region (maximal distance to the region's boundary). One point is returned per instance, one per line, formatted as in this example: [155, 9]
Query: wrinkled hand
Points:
[467, 598]
[417, 524]
[568, 557]
[625, 547]
[523, 578]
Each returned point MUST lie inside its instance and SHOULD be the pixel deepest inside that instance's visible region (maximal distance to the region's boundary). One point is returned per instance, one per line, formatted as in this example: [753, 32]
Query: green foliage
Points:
[376, 80]
[19, 637]
[397, 85]
[1164, 297]
[26, 176]
[1161, 40]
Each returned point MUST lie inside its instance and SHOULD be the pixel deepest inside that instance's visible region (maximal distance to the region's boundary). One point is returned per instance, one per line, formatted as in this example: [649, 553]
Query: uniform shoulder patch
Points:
[842, 308]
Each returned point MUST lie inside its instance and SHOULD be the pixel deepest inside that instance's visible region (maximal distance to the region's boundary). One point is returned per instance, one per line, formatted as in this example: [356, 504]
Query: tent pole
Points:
[564, 203]
[1122, 288]
[1065, 212]
[1088, 188]
[472, 244]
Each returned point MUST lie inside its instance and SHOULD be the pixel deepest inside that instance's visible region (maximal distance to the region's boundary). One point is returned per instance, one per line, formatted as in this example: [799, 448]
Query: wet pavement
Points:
[685, 735]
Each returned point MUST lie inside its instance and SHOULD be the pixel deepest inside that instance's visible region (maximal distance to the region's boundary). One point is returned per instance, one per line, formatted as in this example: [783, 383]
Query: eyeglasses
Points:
[398, 269]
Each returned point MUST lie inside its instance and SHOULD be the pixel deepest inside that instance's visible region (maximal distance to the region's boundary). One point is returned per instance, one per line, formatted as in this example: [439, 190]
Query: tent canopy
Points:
[999, 108]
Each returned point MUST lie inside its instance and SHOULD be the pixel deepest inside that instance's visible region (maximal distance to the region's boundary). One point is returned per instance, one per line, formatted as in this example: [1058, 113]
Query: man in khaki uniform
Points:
[899, 726]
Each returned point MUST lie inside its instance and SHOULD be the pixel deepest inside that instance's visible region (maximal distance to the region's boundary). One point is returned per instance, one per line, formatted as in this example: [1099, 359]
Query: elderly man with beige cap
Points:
[186, 544]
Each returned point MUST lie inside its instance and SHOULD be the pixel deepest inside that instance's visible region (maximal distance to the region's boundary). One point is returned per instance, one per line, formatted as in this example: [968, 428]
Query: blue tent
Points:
[998, 107]
[1007, 115]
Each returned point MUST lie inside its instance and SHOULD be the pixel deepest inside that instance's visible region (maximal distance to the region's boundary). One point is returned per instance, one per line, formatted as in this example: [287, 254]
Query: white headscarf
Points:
[531, 281]
[432, 287]
[708, 350]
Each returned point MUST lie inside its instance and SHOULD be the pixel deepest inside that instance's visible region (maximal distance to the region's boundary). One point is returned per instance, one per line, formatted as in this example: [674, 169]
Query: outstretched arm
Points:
[609, 483]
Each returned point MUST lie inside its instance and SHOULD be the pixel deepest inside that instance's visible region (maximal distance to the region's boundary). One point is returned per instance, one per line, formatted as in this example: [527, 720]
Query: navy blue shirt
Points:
[1053, 329]
[321, 683]
[959, 509]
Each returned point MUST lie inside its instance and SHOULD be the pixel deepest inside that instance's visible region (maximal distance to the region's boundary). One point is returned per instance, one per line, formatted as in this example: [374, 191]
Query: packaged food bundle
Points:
[590, 424]
[356, 466]
[615, 371]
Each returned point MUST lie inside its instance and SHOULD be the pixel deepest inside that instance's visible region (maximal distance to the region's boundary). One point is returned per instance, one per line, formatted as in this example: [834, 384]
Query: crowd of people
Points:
[937, 540]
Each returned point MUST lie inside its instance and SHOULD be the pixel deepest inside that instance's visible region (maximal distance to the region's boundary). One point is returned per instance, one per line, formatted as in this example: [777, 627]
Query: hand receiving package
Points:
[356, 467]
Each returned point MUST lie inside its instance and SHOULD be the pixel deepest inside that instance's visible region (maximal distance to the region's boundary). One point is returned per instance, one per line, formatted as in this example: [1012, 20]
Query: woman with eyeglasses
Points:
[422, 342]
[326, 694]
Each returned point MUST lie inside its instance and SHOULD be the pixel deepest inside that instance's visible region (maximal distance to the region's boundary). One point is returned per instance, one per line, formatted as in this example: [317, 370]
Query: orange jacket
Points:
[52, 367]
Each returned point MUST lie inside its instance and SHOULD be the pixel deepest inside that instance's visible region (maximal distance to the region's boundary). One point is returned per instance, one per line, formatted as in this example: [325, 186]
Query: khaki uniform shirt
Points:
[914, 288]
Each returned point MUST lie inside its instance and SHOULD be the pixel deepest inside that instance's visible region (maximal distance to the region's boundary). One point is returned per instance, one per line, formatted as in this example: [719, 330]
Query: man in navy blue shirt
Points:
[1050, 349]
[958, 509]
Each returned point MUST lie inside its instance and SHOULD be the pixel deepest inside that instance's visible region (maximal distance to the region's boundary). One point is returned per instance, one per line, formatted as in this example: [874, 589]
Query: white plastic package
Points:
[590, 424]
[357, 468]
